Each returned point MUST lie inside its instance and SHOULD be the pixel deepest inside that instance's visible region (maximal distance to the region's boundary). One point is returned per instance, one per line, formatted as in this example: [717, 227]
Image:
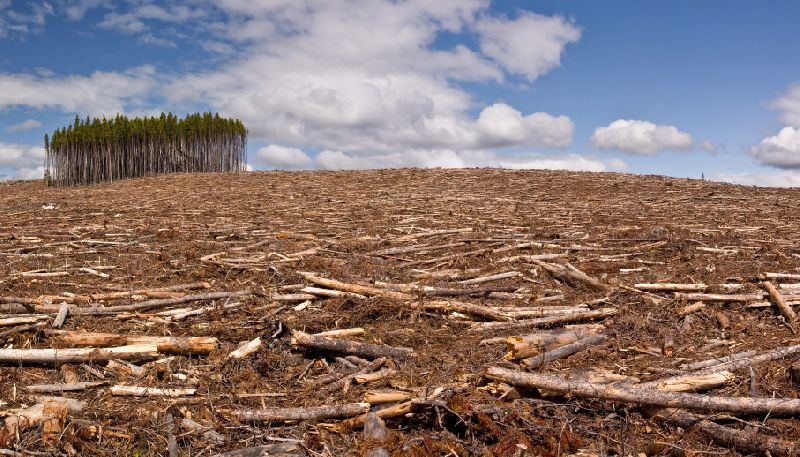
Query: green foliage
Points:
[98, 150]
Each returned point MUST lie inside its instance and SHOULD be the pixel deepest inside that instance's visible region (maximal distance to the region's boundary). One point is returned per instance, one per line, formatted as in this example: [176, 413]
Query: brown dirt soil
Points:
[162, 227]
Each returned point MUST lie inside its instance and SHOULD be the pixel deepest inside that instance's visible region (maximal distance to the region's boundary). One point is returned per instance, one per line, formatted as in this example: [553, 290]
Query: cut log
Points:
[693, 308]
[246, 349]
[32, 416]
[523, 347]
[721, 298]
[549, 320]
[564, 351]
[289, 449]
[208, 433]
[72, 355]
[342, 332]
[744, 441]
[671, 287]
[645, 396]
[782, 276]
[311, 413]
[695, 383]
[495, 277]
[165, 344]
[570, 274]
[357, 348]
[376, 397]
[375, 376]
[20, 320]
[467, 308]
[61, 318]
[391, 412]
[55, 413]
[776, 297]
[141, 391]
[374, 435]
[717, 361]
[318, 291]
[66, 387]
[149, 305]
[354, 288]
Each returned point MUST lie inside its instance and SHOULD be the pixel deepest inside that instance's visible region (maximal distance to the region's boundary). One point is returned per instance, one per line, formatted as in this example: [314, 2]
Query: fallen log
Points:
[165, 344]
[391, 412]
[288, 449]
[744, 441]
[320, 292]
[671, 287]
[33, 416]
[374, 435]
[780, 303]
[246, 349]
[65, 387]
[494, 277]
[570, 274]
[55, 413]
[354, 288]
[467, 308]
[376, 397]
[523, 347]
[342, 332]
[722, 298]
[564, 351]
[645, 396]
[716, 361]
[21, 320]
[61, 318]
[155, 304]
[208, 433]
[73, 355]
[549, 320]
[301, 414]
[699, 382]
[357, 348]
[141, 391]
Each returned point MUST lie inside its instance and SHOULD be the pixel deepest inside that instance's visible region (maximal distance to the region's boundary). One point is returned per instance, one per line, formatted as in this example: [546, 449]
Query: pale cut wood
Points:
[318, 291]
[20, 320]
[645, 396]
[693, 308]
[782, 276]
[696, 383]
[523, 347]
[65, 387]
[355, 288]
[570, 274]
[55, 413]
[776, 297]
[208, 433]
[494, 277]
[723, 298]
[410, 249]
[375, 376]
[142, 391]
[245, 349]
[33, 416]
[671, 287]
[367, 350]
[165, 344]
[155, 304]
[302, 414]
[342, 332]
[61, 318]
[390, 412]
[716, 361]
[375, 397]
[72, 355]
[549, 320]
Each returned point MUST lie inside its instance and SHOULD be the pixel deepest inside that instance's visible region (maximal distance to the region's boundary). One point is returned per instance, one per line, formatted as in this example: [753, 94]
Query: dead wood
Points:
[289, 449]
[32, 416]
[522, 347]
[65, 387]
[73, 355]
[549, 320]
[570, 274]
[374, 434]
[141, 391]
[354, 288]
[164, 344]
[485, 312]
[566, 350]
[645, 396]
[357, 348]
[313, 413]
[780, 303]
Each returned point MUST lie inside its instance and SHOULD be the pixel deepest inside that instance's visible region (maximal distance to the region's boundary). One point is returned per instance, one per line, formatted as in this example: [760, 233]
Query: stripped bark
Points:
[776, 297]
[523, 347]
[301, 414]
[72, 355]
[367, 350]
[165, 344]
[354, 288]
[549, 320]
[32, 416]
[141, 391]
[564, 351]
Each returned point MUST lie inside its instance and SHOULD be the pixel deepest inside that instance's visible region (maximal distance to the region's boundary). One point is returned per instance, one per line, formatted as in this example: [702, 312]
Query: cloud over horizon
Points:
[640, 137]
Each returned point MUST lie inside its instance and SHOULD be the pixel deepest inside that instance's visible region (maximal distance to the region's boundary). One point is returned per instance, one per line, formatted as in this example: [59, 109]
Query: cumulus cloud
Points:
[781, 150]
[28, 124]
[640, 137]
[17, 20]
[789, 106]
[97, 93]
[22, 160]
[281, 157]
[530, 45]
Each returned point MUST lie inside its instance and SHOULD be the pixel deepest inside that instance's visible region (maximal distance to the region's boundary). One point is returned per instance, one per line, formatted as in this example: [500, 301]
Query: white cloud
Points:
[135, 20]
[17, 20]
[282, 157]
[709, 146]
[640, 137]
[29, 173]
[98, 93]
[783, 178]
[789, 106]
[28, 124]
[22, 160]
[529, 45]
[781, 150]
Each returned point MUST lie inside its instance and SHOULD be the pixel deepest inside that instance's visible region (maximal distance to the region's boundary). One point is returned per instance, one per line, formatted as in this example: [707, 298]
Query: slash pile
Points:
[405, 312]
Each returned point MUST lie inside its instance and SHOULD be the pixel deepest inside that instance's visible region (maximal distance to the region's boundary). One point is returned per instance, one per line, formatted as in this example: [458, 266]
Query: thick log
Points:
[570, 274]
[208, 433]
[320, 292]
[671, 287]
[302, 414]
[337, 345]
[32, 416]
[467, 308]
[776, 297]
[495, 277]
[165, 344]
[65, 387]
[149, 305]
[342, 332]
[290, 449]
[374, 435]
[391, 412]
[375, 376]
[721, 298]
[73, 355]
[376, 397]
[61, 318]
[645, 396]
[716, 361]
[744, 441]
[564, 351]
[695, 383]
[782, 276]
[21, 320]
[549, 320]
[354, 288]
[141, 391]
[246, 349]
[523, 347]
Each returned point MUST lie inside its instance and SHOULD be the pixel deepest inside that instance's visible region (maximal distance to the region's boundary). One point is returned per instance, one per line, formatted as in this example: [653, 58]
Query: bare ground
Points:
[265, 227]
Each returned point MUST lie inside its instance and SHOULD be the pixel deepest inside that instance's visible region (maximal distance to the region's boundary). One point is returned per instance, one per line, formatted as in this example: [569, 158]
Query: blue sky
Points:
[660, 87]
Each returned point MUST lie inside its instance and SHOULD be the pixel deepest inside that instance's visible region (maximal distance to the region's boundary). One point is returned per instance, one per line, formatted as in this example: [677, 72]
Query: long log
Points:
[338, 345]
[645, 396]
[155, 304]
[66, 387]
[494, 277]
[776, 297]
[73, 355]
[165, 344]
[694, 366]
[722, 298]
[564, 351]
[354, 288]
[671, 287]
[744, 441]
[523, 347]
[142, 391]
[467, 308]
[549, 320]
[301, 414]
[398, 410]
[570, 274]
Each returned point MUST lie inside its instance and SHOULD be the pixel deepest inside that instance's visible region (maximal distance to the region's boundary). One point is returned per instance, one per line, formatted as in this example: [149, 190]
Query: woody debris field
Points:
[399, 313]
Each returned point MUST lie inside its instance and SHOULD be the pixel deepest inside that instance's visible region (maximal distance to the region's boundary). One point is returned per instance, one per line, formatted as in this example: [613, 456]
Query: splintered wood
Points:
[406, 312]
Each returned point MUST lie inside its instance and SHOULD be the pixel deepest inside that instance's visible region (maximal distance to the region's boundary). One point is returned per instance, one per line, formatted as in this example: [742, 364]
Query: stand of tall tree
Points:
[102, 150]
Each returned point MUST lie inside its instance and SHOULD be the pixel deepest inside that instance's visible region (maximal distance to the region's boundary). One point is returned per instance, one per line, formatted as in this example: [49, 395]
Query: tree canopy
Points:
[99, 150]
